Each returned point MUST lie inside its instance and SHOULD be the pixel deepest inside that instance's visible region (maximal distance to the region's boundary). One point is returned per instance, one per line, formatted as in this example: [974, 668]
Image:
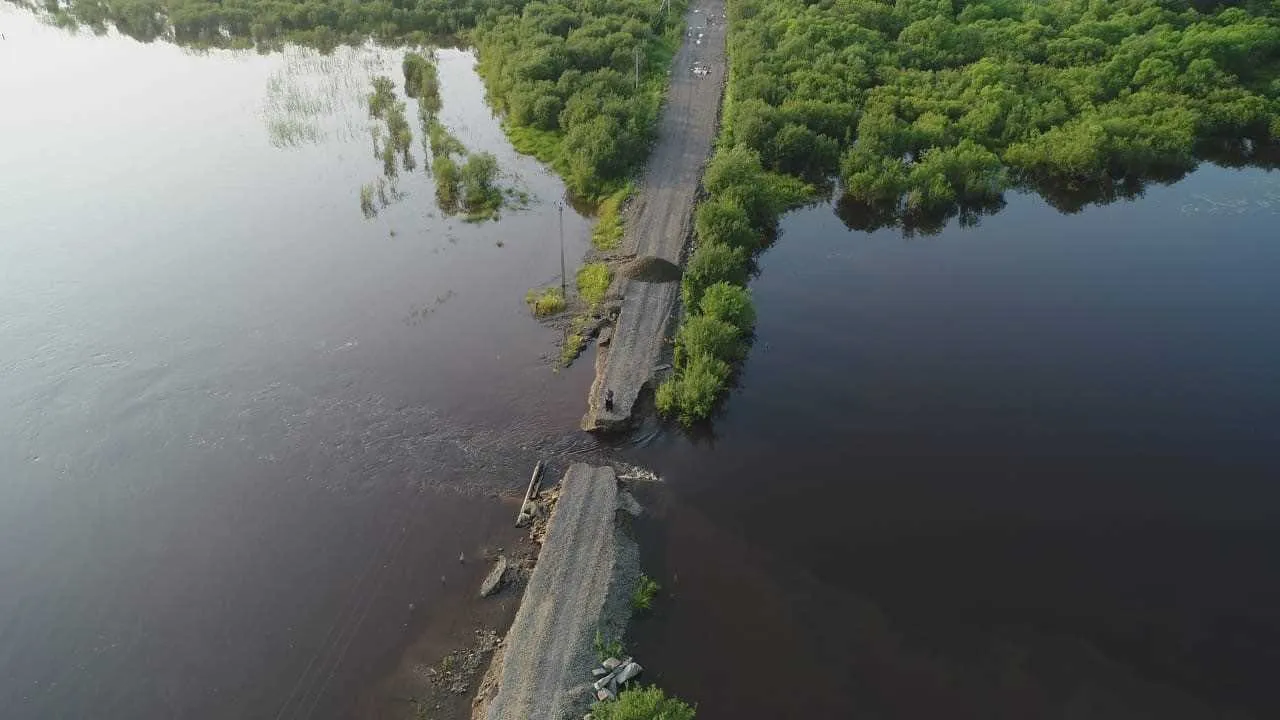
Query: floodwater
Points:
[1029, 469]
[1020, 470]
[245, 431]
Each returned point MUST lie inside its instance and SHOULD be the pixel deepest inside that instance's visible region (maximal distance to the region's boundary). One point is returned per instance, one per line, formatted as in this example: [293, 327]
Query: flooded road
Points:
[1026, 469]
[247, 432]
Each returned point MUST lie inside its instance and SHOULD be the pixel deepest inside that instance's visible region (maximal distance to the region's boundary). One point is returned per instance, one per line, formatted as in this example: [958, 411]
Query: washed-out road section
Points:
[657, 221]
[580, 590]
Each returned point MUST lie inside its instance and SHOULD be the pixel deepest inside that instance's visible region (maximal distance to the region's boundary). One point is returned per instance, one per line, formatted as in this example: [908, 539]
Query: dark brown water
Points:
[242, 428]
[1023, 470]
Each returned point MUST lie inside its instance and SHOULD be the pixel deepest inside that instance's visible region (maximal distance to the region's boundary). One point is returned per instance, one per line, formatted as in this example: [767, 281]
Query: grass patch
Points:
[607, 234]
[606, 649]
[593, 282]
[545, 302]
[646, 591]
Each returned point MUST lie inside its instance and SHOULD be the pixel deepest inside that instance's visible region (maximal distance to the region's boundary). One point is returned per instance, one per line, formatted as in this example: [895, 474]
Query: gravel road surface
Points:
[658, 219]
[586, 572]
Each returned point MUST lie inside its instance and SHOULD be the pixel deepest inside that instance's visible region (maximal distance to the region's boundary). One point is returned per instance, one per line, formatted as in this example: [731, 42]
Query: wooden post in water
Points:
[533, 483]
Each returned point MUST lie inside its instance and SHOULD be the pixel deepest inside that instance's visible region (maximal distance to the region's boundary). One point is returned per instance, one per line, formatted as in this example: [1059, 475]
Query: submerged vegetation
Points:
[580, 84]
[645, 593]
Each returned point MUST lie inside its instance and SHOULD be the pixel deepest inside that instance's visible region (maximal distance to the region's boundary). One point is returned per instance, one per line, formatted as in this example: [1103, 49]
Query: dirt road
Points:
[658, 220]
[586, 572]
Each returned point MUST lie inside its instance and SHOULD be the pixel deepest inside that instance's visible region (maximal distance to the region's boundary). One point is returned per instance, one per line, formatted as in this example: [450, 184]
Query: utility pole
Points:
[637, 67]
[564, 292]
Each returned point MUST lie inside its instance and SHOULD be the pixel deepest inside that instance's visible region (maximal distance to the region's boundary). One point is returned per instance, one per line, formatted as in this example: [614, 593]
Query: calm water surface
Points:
[1027, 469]
[1021, 470]
[243, 429]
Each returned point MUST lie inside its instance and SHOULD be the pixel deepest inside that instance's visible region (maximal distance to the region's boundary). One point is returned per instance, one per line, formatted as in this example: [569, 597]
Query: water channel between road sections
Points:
[1024, 469]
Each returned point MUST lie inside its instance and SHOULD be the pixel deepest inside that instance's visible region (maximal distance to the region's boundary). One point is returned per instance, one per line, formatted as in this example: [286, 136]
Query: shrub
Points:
[692, 393]
[723, 221]
[648, 703]
[448, 177]
[706, 335]
[709, 265]
[729, 303]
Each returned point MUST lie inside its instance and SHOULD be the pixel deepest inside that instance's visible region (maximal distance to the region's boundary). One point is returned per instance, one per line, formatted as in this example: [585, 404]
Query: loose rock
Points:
[493, 581]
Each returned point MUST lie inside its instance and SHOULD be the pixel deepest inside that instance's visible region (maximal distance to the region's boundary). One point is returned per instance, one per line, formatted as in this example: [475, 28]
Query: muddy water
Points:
[1022, 470]
[247, 432]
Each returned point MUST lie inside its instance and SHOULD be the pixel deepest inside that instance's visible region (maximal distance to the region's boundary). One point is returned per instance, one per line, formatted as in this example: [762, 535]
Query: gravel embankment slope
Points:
[586, 572]
[657, 222]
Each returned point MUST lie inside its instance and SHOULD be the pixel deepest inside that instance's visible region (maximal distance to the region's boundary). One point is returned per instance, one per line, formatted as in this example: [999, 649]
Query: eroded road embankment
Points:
[658, 219]
[587, 570]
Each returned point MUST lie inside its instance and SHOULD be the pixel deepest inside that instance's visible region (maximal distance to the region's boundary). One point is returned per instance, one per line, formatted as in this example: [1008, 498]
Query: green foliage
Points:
[648, 703]
[565, 72]
[606, 649]
[545, 302]
[723, 221]
[480, 196]
[422, 81]
[593, 282]
[929, 107]
[448, 180]
[691, 394]
[706, 335]
[382, 98]
[710, 264]
[645, 592]
[441, 140]
[730, 304]
[607, 234]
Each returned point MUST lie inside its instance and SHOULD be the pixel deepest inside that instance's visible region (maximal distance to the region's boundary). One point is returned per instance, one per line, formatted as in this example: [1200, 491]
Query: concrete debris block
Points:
[599, 672]
[493, 581]
[628, 671]
[611, 663]
[606, 335]
[605, 695]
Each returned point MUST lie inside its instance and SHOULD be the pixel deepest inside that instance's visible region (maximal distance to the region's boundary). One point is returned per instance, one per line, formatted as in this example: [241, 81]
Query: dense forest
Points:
[580, 83]
[929, 106]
